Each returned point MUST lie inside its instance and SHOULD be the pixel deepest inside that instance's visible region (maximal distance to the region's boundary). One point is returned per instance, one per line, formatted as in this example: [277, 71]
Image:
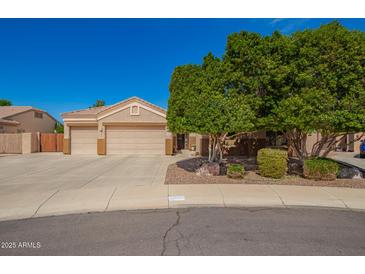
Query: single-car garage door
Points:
[135, 140]
[83, 140]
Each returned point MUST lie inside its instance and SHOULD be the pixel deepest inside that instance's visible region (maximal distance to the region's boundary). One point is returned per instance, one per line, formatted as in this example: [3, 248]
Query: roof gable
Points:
[105, 111]
[134, 101]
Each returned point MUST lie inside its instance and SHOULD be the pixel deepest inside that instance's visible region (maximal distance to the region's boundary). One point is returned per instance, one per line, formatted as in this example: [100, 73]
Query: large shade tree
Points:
[203, 101]
[310, 81]
[298, 84]
[327, 94]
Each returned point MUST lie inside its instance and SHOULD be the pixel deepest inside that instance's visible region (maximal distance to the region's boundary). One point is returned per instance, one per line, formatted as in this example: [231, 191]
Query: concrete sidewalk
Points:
[267, 196]
[156, 196]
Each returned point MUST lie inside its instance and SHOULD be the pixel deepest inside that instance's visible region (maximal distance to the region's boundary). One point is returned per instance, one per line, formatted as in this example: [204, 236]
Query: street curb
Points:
[184, 207]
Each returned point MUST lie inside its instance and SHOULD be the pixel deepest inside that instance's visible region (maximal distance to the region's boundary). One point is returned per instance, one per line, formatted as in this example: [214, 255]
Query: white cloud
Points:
[292, 25]
[276, 20]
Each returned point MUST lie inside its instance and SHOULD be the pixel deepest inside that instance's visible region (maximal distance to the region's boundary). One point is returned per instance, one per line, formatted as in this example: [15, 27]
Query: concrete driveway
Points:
[54, 184]
[349, 158]
[48, 184]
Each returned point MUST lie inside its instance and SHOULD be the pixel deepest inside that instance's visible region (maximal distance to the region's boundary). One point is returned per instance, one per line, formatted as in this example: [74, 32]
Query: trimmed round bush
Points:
[272, 163]
[235, 171]
[320, 169]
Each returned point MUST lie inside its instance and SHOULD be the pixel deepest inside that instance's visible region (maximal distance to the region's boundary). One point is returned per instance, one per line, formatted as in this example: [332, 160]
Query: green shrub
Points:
[320, 169]
[235, 171]
[272, 162]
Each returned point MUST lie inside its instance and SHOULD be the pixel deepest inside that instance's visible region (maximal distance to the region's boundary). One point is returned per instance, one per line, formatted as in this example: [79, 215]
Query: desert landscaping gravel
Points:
[185, 173]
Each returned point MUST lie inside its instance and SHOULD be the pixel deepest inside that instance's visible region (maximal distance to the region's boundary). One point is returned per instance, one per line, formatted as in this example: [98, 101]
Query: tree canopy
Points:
[309, 81]
[202, 101]
[98, 103]
[328, 88]
[5, 102]
[59, 128]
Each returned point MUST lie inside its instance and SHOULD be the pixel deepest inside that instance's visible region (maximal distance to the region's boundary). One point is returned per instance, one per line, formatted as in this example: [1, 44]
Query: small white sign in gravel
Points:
[176, 198]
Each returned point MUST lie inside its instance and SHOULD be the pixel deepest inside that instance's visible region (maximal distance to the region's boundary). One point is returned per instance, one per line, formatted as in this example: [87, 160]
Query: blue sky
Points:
[61, 65]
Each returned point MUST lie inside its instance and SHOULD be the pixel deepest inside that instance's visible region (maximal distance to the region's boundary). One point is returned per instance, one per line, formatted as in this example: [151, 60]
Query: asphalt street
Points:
[192, 231]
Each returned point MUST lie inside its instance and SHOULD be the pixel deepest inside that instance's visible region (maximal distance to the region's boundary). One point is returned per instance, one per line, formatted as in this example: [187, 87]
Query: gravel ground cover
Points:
[184, 172]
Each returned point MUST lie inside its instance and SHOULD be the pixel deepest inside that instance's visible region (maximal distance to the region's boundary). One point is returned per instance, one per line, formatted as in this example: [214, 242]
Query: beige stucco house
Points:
[19, 119]
[132, 126]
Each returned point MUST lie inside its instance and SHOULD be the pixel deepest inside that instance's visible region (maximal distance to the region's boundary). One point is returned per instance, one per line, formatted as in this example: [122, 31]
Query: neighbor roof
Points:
[8, 111]
[92, 112]
[8, 122]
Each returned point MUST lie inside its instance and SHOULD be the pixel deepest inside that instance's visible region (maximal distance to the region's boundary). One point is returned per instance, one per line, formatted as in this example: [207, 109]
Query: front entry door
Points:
[180, 141]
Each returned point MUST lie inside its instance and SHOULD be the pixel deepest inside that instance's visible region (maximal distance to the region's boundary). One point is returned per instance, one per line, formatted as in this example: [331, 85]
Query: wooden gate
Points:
[51, 142]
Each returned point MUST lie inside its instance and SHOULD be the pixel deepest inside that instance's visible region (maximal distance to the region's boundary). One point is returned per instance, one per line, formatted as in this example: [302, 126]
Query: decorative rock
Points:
[208, 169]
[350, 173]
[295, 167]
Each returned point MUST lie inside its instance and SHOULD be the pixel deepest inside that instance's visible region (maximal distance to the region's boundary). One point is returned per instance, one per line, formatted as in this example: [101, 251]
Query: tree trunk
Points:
[215, 147]
[210, 149]
[214, 150]
[321, 148]
[296, 140]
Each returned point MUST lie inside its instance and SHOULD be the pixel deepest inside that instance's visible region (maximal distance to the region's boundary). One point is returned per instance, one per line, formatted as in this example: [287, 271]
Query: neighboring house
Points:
[19, 119]
[132, 126]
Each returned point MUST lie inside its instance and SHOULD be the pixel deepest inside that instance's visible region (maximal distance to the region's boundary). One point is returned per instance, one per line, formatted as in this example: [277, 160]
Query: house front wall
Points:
[355, 146]
[124, 116]
[247, 146]
[128, 129]
[29, 123]
[132, 129]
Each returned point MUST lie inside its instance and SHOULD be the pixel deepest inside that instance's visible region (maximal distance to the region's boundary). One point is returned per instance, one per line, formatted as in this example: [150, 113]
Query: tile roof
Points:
[6, 111]
[97, 110]
[94, 110]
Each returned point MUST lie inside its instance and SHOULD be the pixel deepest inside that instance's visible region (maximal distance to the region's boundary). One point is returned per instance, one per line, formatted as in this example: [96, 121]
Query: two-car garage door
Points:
[135, 140]
[120, 140]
